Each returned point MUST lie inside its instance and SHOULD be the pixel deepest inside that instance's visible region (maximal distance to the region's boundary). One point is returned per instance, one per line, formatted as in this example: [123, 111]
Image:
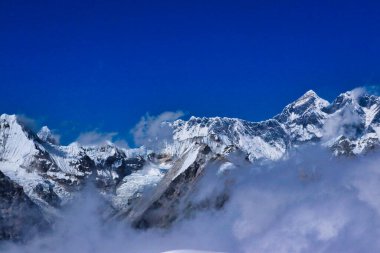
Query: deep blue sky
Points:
[84, 65]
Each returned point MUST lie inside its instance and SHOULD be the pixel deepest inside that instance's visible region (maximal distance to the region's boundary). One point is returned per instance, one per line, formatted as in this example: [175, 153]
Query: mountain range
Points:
[157, 186]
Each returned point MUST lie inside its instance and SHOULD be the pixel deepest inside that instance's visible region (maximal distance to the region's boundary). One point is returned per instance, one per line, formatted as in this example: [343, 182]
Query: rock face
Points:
[154, 189]
[163, 206]
[19, 216]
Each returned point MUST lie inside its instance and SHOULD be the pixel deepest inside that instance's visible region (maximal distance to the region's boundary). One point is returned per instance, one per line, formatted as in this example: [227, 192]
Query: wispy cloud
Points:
[151, 130]
[95, 138]
[372, 89]
[121, 143]
[345, 122]
[27, 121]
[357, 92]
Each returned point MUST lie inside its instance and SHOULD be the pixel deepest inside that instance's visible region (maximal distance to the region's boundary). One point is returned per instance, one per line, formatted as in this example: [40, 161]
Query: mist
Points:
[308, 202]
[153, 131]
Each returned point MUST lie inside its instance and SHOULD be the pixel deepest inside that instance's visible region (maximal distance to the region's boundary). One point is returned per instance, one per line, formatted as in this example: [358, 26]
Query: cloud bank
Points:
[310, 202]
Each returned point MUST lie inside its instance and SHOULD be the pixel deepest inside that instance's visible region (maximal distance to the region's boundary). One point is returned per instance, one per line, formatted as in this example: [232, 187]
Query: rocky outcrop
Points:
[20, 218]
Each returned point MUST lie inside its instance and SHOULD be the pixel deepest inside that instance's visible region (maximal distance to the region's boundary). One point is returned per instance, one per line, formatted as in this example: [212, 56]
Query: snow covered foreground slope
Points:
[147, 188]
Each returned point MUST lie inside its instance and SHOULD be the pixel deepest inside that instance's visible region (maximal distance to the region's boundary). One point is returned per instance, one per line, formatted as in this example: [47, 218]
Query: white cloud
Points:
[121, 143]
[151, 130]
[341, 123]
[307, 204]
[27, 121]
[357, 92]
[95, 138]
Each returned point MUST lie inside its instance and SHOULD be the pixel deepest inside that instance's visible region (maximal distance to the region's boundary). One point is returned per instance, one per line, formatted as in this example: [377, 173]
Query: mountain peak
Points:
[51, 173]
[8, 121]
[310, 93]
[306, 104]
[8, 117]
[351, 98]
[47, 135]
[309, 97]
[45, 130]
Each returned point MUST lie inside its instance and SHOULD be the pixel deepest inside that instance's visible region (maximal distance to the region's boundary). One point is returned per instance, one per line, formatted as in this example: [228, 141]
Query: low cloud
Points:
[28, 122]
[121, 143]
[357, 92]
[151, 131]
[310, 202]
[95, 138]
[56, 138]
[372, 89]
[345, 122]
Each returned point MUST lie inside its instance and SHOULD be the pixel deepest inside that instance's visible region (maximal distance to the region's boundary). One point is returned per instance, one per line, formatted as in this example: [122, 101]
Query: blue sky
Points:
[83, 65]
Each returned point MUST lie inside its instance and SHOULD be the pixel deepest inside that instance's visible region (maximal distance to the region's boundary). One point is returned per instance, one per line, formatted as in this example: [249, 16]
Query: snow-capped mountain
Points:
[353, 117]
[149, 188]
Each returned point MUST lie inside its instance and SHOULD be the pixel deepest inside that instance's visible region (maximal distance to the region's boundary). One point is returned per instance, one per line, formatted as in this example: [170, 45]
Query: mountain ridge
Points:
[51, 175]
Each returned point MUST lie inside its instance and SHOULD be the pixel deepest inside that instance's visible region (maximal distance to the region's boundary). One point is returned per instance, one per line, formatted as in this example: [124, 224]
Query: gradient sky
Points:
[83, 65]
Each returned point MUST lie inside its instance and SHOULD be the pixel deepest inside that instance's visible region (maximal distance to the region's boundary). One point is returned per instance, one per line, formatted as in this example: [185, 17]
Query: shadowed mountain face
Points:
[19, 216]
[147, 188]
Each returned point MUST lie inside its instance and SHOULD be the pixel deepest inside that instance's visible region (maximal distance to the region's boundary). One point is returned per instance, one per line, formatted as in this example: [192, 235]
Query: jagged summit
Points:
[310, 93]
[307, 103]
[307, 96]
[10, 117]
[47, 135]
[351, 100]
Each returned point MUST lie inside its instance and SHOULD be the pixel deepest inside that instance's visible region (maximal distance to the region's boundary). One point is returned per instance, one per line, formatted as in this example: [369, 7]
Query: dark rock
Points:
[20, 218]
[48, 194]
